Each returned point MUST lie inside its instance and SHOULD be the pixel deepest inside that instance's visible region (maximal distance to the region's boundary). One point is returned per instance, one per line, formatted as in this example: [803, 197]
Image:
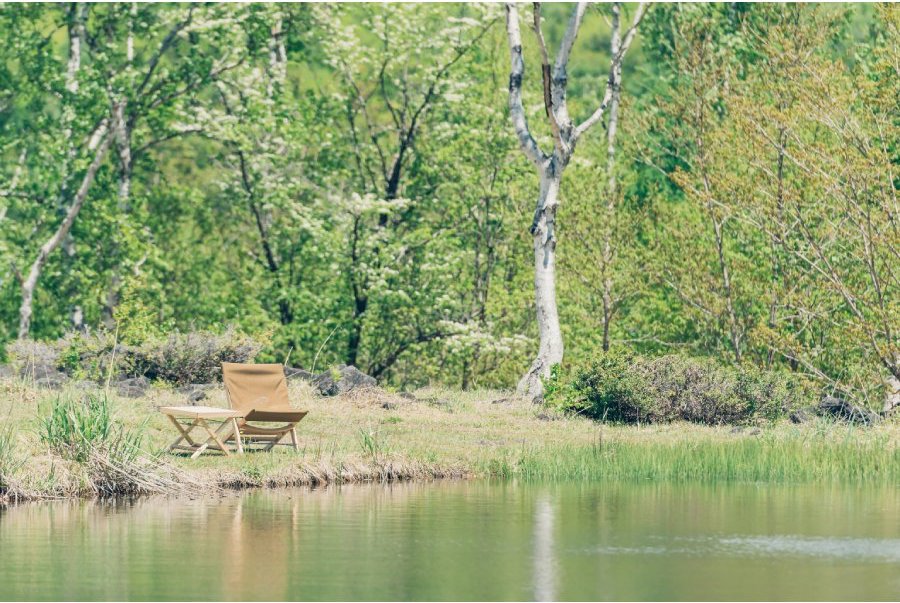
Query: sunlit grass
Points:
[376, 436]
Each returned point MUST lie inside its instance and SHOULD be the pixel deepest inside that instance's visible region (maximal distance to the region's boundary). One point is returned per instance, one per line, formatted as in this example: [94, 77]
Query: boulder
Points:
[134, 387]
[38, 371]
[841, 409]
[293, 373]
[801, 415]
[195, 392]
[342, 380]
[54, 380]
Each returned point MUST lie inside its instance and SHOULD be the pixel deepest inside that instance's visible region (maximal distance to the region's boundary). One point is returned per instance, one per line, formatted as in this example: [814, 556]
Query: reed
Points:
[800, 456]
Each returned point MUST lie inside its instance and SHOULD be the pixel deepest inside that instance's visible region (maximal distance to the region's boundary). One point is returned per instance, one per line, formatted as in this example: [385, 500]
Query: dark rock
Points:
[38, 371]
[342, 380]
[195, 392]
[801, 415]
[134, 387]
[499, 400]
[196, 395]
[841, 409]
[389, 406]
[298, 373]
[52, 380]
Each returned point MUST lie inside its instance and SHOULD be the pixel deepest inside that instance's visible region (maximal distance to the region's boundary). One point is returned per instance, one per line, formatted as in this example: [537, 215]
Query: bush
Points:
[622, 387]
[190, 358]
[75, 427]
[180, 358]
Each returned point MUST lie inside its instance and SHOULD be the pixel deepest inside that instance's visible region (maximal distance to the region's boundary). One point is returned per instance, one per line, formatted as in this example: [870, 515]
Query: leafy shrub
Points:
[191, 357]
[622, 387]
[179, 358]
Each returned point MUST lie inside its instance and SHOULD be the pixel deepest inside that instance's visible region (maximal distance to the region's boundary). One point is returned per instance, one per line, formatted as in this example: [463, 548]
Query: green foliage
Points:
[754, 140]
[75, 428]
[623, 387]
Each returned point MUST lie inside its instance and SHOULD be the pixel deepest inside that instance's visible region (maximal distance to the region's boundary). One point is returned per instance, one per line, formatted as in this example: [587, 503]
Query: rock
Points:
[342, 380]
[755, 431]
[737, 429]
[389, 406]
[843, 410]
[52, 380]
[195, 392]
[38, 371]
[801, 415]
[298, 373]
[499, 400]
[132, 388]
[408, 396]
[891, 395]
[6, 372]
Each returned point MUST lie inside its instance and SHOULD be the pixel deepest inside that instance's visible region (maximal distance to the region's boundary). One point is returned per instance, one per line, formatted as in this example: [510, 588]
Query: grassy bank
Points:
[378, 436]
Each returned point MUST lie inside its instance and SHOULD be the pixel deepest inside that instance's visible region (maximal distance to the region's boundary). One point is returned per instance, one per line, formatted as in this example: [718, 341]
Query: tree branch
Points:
[517, 69]
[614, 65]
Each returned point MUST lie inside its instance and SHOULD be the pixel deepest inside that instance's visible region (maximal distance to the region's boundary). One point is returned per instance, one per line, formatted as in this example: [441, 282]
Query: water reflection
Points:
[463, 540]
[544, 557]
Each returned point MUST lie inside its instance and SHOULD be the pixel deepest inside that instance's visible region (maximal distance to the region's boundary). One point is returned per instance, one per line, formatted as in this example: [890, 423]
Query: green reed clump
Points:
[794, 457]
[75, 428]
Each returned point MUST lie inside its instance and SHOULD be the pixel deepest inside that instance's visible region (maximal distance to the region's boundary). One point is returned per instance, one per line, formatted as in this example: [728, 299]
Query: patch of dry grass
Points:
[373, 435]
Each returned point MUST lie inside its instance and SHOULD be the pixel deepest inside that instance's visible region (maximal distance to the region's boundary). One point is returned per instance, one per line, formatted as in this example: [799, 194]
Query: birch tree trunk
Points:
[550, 167]
[550, 350]
[30, 282]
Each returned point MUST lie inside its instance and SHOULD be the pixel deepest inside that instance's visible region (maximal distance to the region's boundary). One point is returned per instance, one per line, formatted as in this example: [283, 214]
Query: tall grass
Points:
[798, 457]
[76, 427]
[10, 459]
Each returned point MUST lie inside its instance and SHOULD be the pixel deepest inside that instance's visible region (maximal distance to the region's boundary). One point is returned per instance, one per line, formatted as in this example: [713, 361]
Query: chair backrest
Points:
[255, 386]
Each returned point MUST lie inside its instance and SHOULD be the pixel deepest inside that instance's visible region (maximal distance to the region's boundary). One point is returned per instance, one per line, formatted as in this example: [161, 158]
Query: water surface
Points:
[464, 540]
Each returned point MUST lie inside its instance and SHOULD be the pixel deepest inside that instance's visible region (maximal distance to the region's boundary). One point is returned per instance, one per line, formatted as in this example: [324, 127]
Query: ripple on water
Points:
[886, 550]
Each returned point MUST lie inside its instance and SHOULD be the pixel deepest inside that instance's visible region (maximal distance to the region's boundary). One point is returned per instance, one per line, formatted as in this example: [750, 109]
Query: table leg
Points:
[185, 433]
[237, 435]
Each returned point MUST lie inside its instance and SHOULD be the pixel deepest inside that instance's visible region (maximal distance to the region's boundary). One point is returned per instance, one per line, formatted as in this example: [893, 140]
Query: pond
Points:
[463, 540]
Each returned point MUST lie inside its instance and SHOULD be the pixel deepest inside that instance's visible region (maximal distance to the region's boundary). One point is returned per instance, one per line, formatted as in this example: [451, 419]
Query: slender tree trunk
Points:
[615, 85]
[30, 283]
[543, 230]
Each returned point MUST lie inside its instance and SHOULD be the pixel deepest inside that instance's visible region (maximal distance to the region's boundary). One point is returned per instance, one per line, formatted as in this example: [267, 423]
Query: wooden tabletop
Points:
[200, 412]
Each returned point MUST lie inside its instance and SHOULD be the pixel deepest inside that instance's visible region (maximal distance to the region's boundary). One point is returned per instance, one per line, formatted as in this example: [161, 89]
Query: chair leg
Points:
[294, 439]
[275, 442]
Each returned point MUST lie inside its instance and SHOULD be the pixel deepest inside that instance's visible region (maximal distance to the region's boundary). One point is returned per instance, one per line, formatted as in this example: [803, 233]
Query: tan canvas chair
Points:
[259, 392]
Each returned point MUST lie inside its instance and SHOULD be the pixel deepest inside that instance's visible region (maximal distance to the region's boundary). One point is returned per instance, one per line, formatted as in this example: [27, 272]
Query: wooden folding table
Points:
[197, 416]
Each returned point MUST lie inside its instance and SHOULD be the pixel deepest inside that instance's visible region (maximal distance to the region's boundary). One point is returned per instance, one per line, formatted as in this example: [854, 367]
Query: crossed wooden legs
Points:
[215, 440]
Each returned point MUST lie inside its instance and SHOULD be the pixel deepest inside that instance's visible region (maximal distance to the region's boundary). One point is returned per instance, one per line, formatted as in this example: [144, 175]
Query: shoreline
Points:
[374, 436]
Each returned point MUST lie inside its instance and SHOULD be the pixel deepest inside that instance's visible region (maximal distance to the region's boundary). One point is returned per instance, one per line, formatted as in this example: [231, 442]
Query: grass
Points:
[377, 436]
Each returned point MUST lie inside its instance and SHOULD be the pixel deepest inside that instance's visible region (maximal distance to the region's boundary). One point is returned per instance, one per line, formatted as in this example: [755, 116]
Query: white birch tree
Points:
[550, 166]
